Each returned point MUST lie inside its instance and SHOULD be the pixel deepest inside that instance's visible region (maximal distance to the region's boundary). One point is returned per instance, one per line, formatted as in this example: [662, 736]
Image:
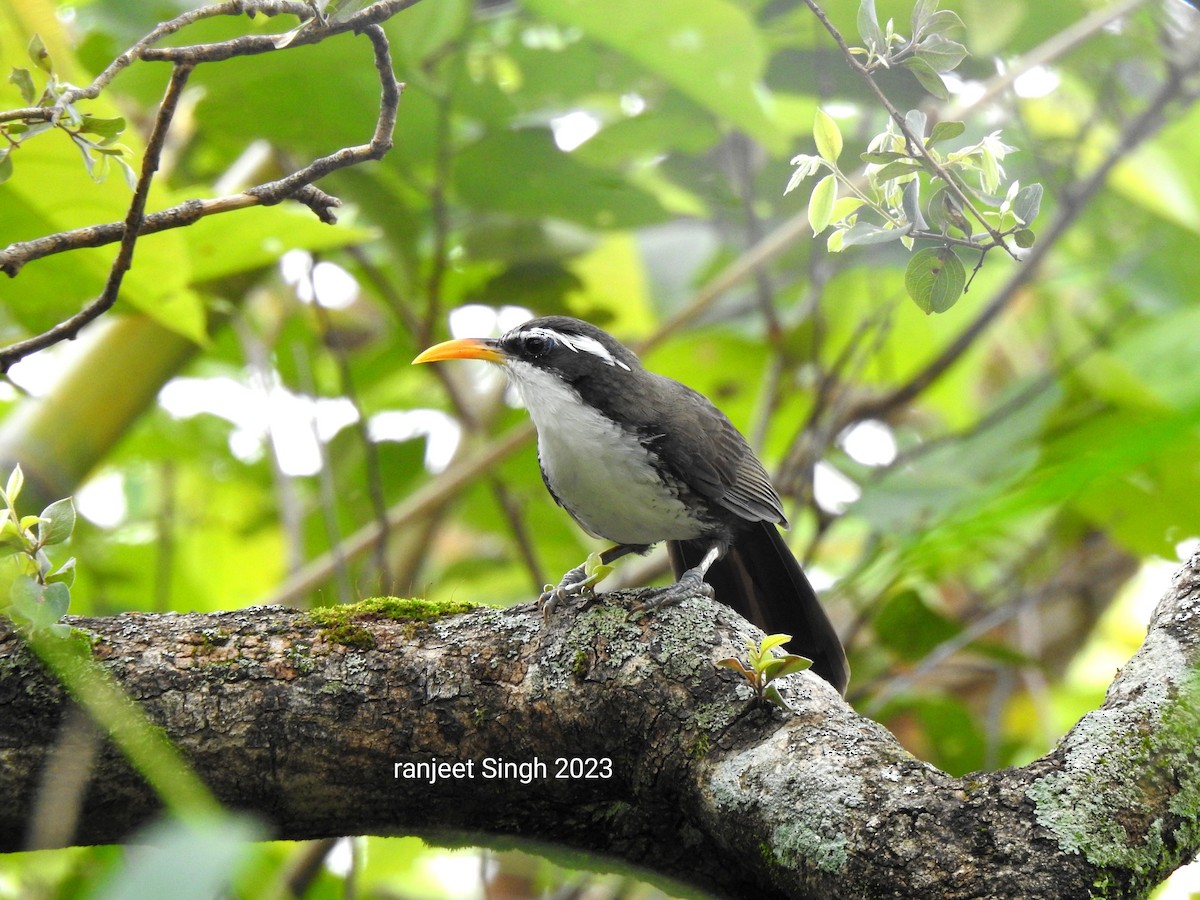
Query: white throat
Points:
[601, 473]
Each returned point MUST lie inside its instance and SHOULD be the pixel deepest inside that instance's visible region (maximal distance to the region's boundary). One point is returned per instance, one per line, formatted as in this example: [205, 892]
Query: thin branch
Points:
[438, 205]
[67, 330]
[520, 531]
[916, 143]
[1148, 122]
[296, 185]
[139, 49]
[326, 487]
[254, 44]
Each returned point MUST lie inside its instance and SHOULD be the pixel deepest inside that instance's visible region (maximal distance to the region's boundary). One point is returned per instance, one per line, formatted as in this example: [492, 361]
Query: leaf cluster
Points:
[890, 206]
[928, 53]
[763, 666]
[52, 108]
[40, 592]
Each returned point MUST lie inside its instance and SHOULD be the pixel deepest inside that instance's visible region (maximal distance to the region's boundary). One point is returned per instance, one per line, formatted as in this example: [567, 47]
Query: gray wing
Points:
[706, 452]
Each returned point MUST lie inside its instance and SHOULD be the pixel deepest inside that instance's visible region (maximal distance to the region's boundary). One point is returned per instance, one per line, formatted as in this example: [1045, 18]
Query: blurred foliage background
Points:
[990, 540]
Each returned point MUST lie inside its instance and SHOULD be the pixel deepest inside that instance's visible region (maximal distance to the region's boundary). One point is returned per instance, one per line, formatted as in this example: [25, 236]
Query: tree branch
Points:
[328, 730]
[297, 185]
[1147, 123]
[915, 142]
[69, 328]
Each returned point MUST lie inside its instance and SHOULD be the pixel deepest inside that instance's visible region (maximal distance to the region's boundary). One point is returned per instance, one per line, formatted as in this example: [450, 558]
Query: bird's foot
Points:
[576, 584]
[690, 584]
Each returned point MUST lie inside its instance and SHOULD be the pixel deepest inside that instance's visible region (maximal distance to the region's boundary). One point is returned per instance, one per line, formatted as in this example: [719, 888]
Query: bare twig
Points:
[69, 328]
[139, 50]
[297, 185]
[253, 44]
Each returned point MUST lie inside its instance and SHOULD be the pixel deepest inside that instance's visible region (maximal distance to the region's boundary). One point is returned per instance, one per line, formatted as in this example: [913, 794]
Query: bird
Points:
[637, 458]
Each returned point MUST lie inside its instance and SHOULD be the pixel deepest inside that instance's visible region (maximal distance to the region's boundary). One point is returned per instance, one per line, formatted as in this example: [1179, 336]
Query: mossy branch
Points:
[408, 717]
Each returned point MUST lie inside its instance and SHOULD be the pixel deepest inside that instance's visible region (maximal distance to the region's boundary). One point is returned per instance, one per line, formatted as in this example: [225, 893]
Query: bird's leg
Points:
[579, 581]
[690, 584]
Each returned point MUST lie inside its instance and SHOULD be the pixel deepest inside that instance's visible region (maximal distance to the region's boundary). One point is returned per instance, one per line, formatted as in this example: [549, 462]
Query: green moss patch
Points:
[342, 624]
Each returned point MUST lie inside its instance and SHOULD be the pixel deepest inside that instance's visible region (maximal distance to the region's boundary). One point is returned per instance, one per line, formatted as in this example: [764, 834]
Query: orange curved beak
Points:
[463, 348]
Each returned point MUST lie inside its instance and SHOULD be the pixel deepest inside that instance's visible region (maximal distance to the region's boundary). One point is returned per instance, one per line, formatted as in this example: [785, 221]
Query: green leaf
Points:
[1024, 238]
[1027, 204]
[770, 669]
[916, 122]
[11, 538]
[921, 14]
[595, 569]
[911, 202]
[428, 28]
[12, 490]
[773, 640]
[793, 663]
[880, 157]
[897, 169]
[40, 605]
[6, 165]
[935, 279]
[944, 131]
[108, 128]
[58, 521]
[866, 233]
[827, 136]
[868, 27]
[127, 171]
[945, 212]
[772, 695]
[524, 173]
[910, 628]
[927, 77]
[64, 573]
[39, 54]
[820, 204]
[846, 206]
[56, 599]
[942, 54]
[941, 21]
[736, 665]
[24, 594]
[24, 82]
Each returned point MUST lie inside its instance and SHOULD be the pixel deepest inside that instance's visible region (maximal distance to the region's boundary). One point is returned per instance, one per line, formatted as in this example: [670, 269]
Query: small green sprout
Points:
[765, 667]
[594, 570]
[40, 592]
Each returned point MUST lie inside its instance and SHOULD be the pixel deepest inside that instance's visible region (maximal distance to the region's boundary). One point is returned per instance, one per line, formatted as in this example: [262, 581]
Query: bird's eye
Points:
[538, 345]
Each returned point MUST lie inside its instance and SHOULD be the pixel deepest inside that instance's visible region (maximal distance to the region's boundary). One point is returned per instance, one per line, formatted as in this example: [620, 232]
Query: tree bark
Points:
[319, 730]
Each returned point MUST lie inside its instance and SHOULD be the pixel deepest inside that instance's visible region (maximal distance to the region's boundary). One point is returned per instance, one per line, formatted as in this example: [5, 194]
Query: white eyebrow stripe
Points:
[579, 343]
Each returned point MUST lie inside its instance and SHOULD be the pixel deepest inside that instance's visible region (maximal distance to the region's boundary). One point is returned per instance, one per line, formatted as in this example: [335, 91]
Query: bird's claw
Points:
[566, 591]
[576, 584]
[690, 584]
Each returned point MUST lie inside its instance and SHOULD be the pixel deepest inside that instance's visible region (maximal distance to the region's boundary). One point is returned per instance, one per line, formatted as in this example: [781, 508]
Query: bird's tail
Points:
[760, 578]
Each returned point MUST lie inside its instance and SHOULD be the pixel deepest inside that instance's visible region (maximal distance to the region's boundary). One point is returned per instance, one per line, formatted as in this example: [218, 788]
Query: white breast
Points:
[600, 472]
